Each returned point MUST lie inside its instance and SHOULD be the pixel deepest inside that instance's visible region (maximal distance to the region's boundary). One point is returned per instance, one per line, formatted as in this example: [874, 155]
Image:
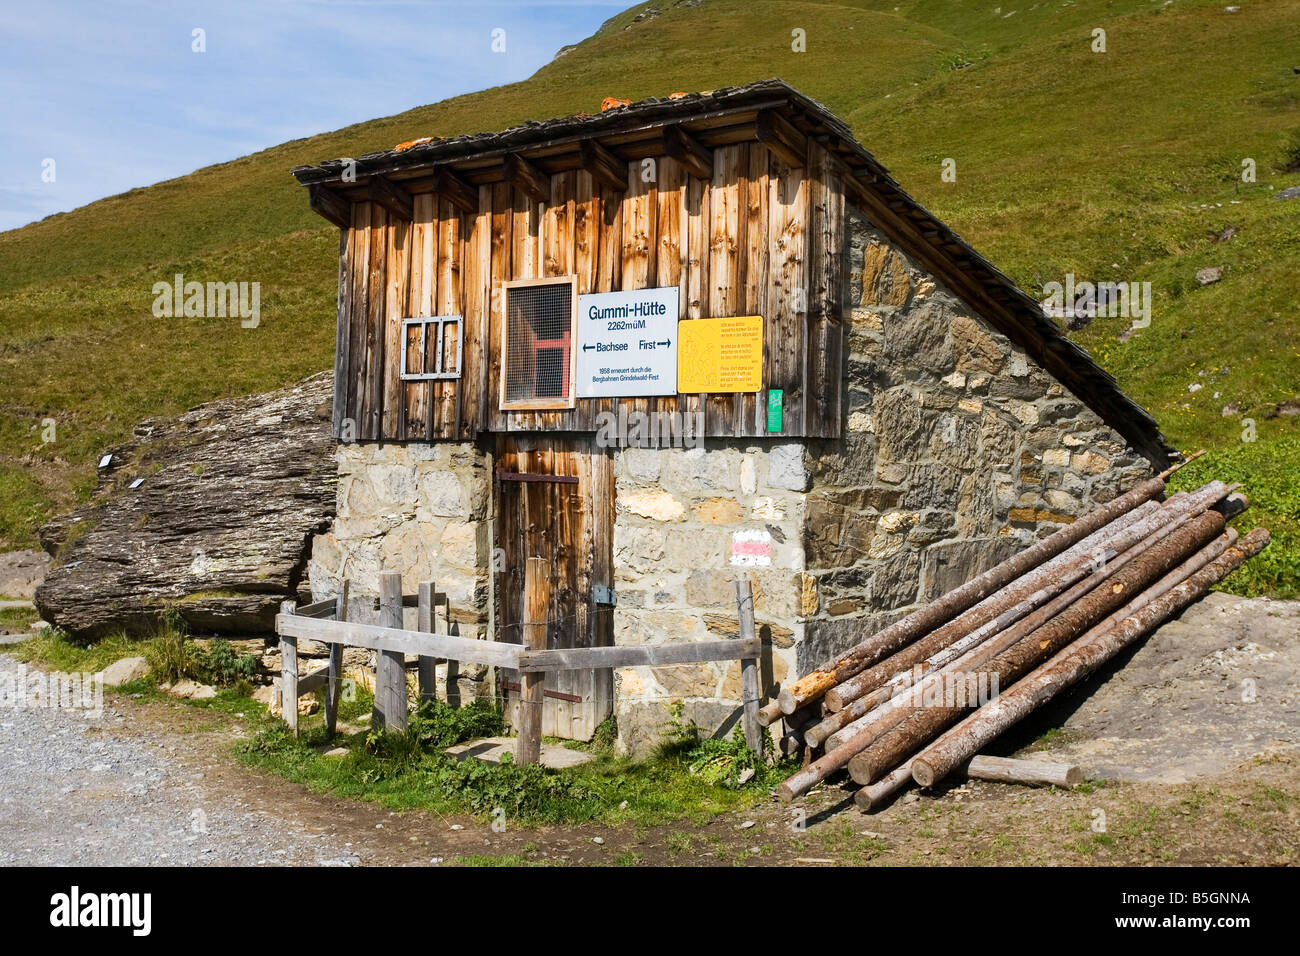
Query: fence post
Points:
[453, 666]
[390, 670]
[428, 665]
[537, 598]
[289, 673]
[748, 666]
[334, 683]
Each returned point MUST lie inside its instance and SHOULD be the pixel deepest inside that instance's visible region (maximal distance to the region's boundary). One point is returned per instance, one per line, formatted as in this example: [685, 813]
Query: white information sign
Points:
[627, 343]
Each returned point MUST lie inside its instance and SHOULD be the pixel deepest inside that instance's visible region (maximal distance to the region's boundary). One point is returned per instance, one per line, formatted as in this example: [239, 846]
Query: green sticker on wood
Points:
[775, 409]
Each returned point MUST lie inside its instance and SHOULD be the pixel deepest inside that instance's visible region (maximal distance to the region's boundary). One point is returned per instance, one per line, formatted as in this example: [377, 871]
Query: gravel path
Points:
[77, 793]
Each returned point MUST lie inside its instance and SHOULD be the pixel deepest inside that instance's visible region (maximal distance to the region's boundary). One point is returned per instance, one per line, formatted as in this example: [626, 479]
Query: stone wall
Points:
[687, 521]
[421, 509]
[958, 451]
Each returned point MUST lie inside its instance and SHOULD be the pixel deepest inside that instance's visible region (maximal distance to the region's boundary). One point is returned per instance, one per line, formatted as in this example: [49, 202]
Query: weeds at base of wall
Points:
[694, 780]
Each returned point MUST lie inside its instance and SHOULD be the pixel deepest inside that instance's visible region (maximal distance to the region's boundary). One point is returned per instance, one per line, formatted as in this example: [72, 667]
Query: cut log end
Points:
[922, 773]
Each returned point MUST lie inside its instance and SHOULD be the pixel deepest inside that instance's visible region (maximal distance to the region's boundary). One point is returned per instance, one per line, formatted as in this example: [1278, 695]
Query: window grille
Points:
[538, 345]
[432, 348]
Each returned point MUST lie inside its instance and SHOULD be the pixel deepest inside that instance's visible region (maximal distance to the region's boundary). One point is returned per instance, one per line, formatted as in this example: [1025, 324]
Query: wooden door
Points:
[555, 501]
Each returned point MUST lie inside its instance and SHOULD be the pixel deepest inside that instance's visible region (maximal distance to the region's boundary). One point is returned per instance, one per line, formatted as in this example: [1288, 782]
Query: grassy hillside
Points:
[1124, 164]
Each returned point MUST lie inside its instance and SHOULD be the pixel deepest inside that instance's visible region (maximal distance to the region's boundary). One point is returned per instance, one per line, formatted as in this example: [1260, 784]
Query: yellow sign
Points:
[720, 355]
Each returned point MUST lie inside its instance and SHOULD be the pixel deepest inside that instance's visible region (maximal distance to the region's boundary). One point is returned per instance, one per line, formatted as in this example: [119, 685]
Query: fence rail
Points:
[325, 622]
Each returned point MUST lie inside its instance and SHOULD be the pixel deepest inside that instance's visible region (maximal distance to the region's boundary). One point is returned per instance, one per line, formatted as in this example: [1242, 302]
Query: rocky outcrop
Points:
[211, 513]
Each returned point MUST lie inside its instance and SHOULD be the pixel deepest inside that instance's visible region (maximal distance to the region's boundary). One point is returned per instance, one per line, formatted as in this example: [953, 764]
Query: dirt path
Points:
[154, 782]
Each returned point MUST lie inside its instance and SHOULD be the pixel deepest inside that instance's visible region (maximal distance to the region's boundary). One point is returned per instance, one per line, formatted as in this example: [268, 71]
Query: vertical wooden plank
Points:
[342, 338]
[424, 282]
[557, 226]
[503, 218]
[787, 295]
[748, 667]
[609, 272]
[638, 256]
[424, 624]
[289, 673]
[453, 666]
[523, 237]
[826, 294]
[397, 259]
[360, 309]
[756, 258]
[695, 303]
[670, 253]
[390, 674]
[537, 598]
[377, 297]
[448, 303]
[586, 255]
[639, 246]
[725, 278]
[334, 685]
[478, 287]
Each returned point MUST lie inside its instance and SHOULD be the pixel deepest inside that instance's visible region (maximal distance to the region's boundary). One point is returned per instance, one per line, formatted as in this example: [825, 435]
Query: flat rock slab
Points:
[1209, 690]
[490, 749]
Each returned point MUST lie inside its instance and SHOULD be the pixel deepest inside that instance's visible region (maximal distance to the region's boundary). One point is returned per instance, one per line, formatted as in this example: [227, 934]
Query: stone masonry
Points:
[422, 510]
[687, 521]
[957, 452]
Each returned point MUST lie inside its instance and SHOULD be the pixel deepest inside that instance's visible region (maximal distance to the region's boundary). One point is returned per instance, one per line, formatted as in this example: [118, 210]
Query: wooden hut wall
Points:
[756, 238]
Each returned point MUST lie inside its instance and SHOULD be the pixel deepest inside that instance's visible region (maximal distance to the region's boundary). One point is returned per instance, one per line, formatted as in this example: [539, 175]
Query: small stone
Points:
[124, 671]
[1209, 275]
[747, 824]
[457, 826]
[599, 841]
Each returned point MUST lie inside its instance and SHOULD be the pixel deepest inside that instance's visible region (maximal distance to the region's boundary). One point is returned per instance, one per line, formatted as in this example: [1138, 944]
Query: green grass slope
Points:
[1124, 164]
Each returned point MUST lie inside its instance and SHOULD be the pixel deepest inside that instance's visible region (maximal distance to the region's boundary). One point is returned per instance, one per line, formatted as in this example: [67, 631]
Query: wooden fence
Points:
[325, 621]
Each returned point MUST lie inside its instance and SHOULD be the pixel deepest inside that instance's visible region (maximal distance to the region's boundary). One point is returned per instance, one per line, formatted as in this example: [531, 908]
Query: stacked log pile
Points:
[919, 699]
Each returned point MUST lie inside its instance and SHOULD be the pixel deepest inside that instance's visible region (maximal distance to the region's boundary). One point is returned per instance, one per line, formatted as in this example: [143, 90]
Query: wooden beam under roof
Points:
[455, 190]
[779, 135]
[606, 168]
[330, 205]
[393, 198]
[531, 180]
[687, 150]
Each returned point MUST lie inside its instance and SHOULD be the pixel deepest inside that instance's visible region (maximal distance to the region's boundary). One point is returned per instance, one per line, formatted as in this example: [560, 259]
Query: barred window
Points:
[538, 343]
[432, 348]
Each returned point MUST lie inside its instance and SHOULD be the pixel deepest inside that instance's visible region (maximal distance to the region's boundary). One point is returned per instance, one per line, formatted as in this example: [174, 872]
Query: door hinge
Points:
[604, 595]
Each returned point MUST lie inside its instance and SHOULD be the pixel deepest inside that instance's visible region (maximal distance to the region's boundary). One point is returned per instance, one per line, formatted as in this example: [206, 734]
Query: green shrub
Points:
[221, 665]
[172, 656]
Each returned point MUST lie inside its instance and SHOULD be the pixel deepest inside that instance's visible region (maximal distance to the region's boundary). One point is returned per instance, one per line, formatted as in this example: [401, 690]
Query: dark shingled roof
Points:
[636, 130]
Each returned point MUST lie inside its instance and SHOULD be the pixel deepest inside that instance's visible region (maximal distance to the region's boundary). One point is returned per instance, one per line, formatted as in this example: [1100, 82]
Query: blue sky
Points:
[113, 93]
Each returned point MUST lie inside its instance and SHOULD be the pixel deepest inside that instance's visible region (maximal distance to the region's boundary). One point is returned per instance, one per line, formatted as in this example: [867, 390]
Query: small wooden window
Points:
[432, 348]
[537, 343]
